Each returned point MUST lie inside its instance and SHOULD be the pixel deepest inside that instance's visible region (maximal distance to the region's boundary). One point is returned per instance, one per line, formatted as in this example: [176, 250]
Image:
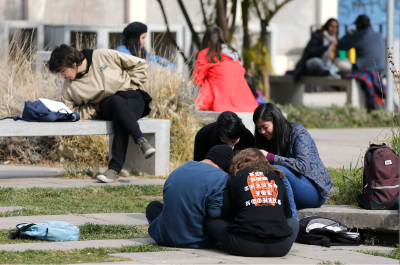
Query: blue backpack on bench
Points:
[52, 231]
[37, 111]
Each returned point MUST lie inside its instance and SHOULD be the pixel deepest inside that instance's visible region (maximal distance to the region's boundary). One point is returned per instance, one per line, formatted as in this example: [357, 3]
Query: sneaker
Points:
[146, 148]
[108, 176]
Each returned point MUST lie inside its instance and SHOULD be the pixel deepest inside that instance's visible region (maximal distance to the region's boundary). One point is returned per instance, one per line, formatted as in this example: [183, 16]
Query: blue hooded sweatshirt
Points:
[192, 192]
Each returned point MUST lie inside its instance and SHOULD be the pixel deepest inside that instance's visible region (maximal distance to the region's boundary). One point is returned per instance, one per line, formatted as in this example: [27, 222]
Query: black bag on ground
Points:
[316, 230]
[380, 179]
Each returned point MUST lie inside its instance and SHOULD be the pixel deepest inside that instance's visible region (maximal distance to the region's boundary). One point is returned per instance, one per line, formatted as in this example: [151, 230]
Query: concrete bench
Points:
[283, 90]
[156, 131]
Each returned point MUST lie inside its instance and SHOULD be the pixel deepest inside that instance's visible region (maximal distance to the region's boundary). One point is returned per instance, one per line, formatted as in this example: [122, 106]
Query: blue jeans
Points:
[304, 191]
[291, 198]
[315, 66]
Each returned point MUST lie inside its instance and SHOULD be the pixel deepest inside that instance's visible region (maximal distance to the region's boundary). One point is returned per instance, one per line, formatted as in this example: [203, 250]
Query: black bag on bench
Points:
[316, 230]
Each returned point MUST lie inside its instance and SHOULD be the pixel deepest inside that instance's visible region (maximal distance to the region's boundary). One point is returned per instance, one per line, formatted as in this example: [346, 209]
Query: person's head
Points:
[65, 60]
[331, 26]
[272, 129]
[220, 155]
[252, 159]
[135, 37]
[213, 39]
[229, 127]
[362, 22]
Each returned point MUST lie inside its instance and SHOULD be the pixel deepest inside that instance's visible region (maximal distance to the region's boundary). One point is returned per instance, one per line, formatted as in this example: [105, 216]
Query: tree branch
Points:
[195, 37]
[170, 35]
[233, 25]
[204, 14]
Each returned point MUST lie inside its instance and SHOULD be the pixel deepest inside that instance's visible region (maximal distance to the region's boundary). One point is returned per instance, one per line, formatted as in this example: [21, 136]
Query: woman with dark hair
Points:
[135, 37]
[221, 76]
[319, 55]
[291, 148]
[256, 218]
[228, 129]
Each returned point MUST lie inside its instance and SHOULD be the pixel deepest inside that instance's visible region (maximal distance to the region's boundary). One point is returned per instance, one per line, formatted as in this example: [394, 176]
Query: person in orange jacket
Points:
[221, 76]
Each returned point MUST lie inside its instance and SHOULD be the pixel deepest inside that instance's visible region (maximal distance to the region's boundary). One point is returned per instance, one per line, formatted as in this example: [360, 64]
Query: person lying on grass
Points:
[106, 84]
[256, 217]
[192, 192]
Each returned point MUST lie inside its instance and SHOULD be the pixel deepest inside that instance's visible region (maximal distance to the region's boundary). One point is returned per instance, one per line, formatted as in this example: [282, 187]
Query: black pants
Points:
[153, 210]
[124, 109]
[237, 245]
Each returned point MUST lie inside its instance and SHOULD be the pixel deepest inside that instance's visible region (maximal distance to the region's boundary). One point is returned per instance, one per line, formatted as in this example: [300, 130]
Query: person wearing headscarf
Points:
[135, 37]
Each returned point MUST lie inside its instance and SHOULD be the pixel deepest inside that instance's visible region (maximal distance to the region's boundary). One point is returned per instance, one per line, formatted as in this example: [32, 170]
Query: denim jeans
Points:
[316, 65]
[291, 197]
[305, 192]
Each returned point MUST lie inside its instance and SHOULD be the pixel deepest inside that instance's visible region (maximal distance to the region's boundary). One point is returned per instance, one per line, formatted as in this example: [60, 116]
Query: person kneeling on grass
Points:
[106, 84]
[192, 192]
[256, 216]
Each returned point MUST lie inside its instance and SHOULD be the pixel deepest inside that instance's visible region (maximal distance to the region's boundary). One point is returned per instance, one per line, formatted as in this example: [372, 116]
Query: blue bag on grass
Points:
[52, 231]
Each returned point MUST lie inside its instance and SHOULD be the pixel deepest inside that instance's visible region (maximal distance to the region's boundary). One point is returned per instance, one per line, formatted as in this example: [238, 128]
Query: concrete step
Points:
[379, 220]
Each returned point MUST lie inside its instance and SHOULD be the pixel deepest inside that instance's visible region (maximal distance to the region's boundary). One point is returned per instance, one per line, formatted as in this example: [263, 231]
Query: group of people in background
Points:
[242, 188]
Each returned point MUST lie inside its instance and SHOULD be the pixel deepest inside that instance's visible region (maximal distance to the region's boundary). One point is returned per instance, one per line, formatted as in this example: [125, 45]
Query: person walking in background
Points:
[256, 217]
[106, 84]
[319, 55]
[220, 75]
[290, 148]
[369, 56]
[228, 129]
[192, 192]
[135, 37]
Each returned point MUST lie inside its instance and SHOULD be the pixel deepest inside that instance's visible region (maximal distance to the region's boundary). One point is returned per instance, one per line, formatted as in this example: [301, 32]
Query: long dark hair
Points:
[228, 126]
[213, 39]
[133, 45]
[326, 26]
[282, 129]
[252, 159]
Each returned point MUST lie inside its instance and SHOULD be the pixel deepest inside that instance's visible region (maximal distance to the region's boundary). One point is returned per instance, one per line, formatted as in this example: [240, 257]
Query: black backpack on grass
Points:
[316, 230]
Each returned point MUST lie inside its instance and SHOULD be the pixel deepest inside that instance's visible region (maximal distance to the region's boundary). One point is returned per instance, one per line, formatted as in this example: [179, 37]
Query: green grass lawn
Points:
[80, 200]
[89, 231]
[87, 255]
[394, 254]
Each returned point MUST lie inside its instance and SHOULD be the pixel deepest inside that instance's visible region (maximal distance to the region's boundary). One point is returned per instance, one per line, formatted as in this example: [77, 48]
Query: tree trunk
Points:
[221, 18]
[246, 36]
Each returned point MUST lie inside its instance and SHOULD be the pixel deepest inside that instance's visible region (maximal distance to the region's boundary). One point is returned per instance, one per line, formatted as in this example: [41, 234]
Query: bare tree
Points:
[195, 37]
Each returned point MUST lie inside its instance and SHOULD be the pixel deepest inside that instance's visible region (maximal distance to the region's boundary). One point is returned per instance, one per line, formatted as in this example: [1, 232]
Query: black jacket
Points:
[315, 48]
[204, 141]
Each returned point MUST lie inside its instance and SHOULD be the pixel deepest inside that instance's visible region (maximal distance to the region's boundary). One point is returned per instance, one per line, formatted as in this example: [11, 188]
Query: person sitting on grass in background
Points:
[228, 129]
[192, 192]
[256, 217]
[106, 84]
[135, 37]
[291, 149]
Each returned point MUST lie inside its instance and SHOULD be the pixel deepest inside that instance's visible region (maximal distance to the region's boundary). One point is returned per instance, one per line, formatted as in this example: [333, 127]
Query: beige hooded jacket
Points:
[110, 72]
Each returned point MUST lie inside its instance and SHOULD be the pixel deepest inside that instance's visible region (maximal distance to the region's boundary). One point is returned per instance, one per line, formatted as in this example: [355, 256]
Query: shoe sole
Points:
[105, 179]
[149, 153]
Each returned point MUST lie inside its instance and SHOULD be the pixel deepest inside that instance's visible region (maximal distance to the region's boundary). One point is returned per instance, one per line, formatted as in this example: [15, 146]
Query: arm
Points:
[300, 162]
[86, 111]
[134, 66]
[227, 211]
[201, 68]
[161, 61]
[347, 42]
[286, 205]
[215, 201]
[314, 48]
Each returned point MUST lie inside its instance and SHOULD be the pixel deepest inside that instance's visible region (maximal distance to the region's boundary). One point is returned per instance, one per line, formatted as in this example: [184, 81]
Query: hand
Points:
[351, 32]
[332, 43]
[265, 153]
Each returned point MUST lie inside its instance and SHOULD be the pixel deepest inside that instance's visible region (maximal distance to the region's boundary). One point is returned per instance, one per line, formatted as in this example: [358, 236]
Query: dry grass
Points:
[172, 99]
